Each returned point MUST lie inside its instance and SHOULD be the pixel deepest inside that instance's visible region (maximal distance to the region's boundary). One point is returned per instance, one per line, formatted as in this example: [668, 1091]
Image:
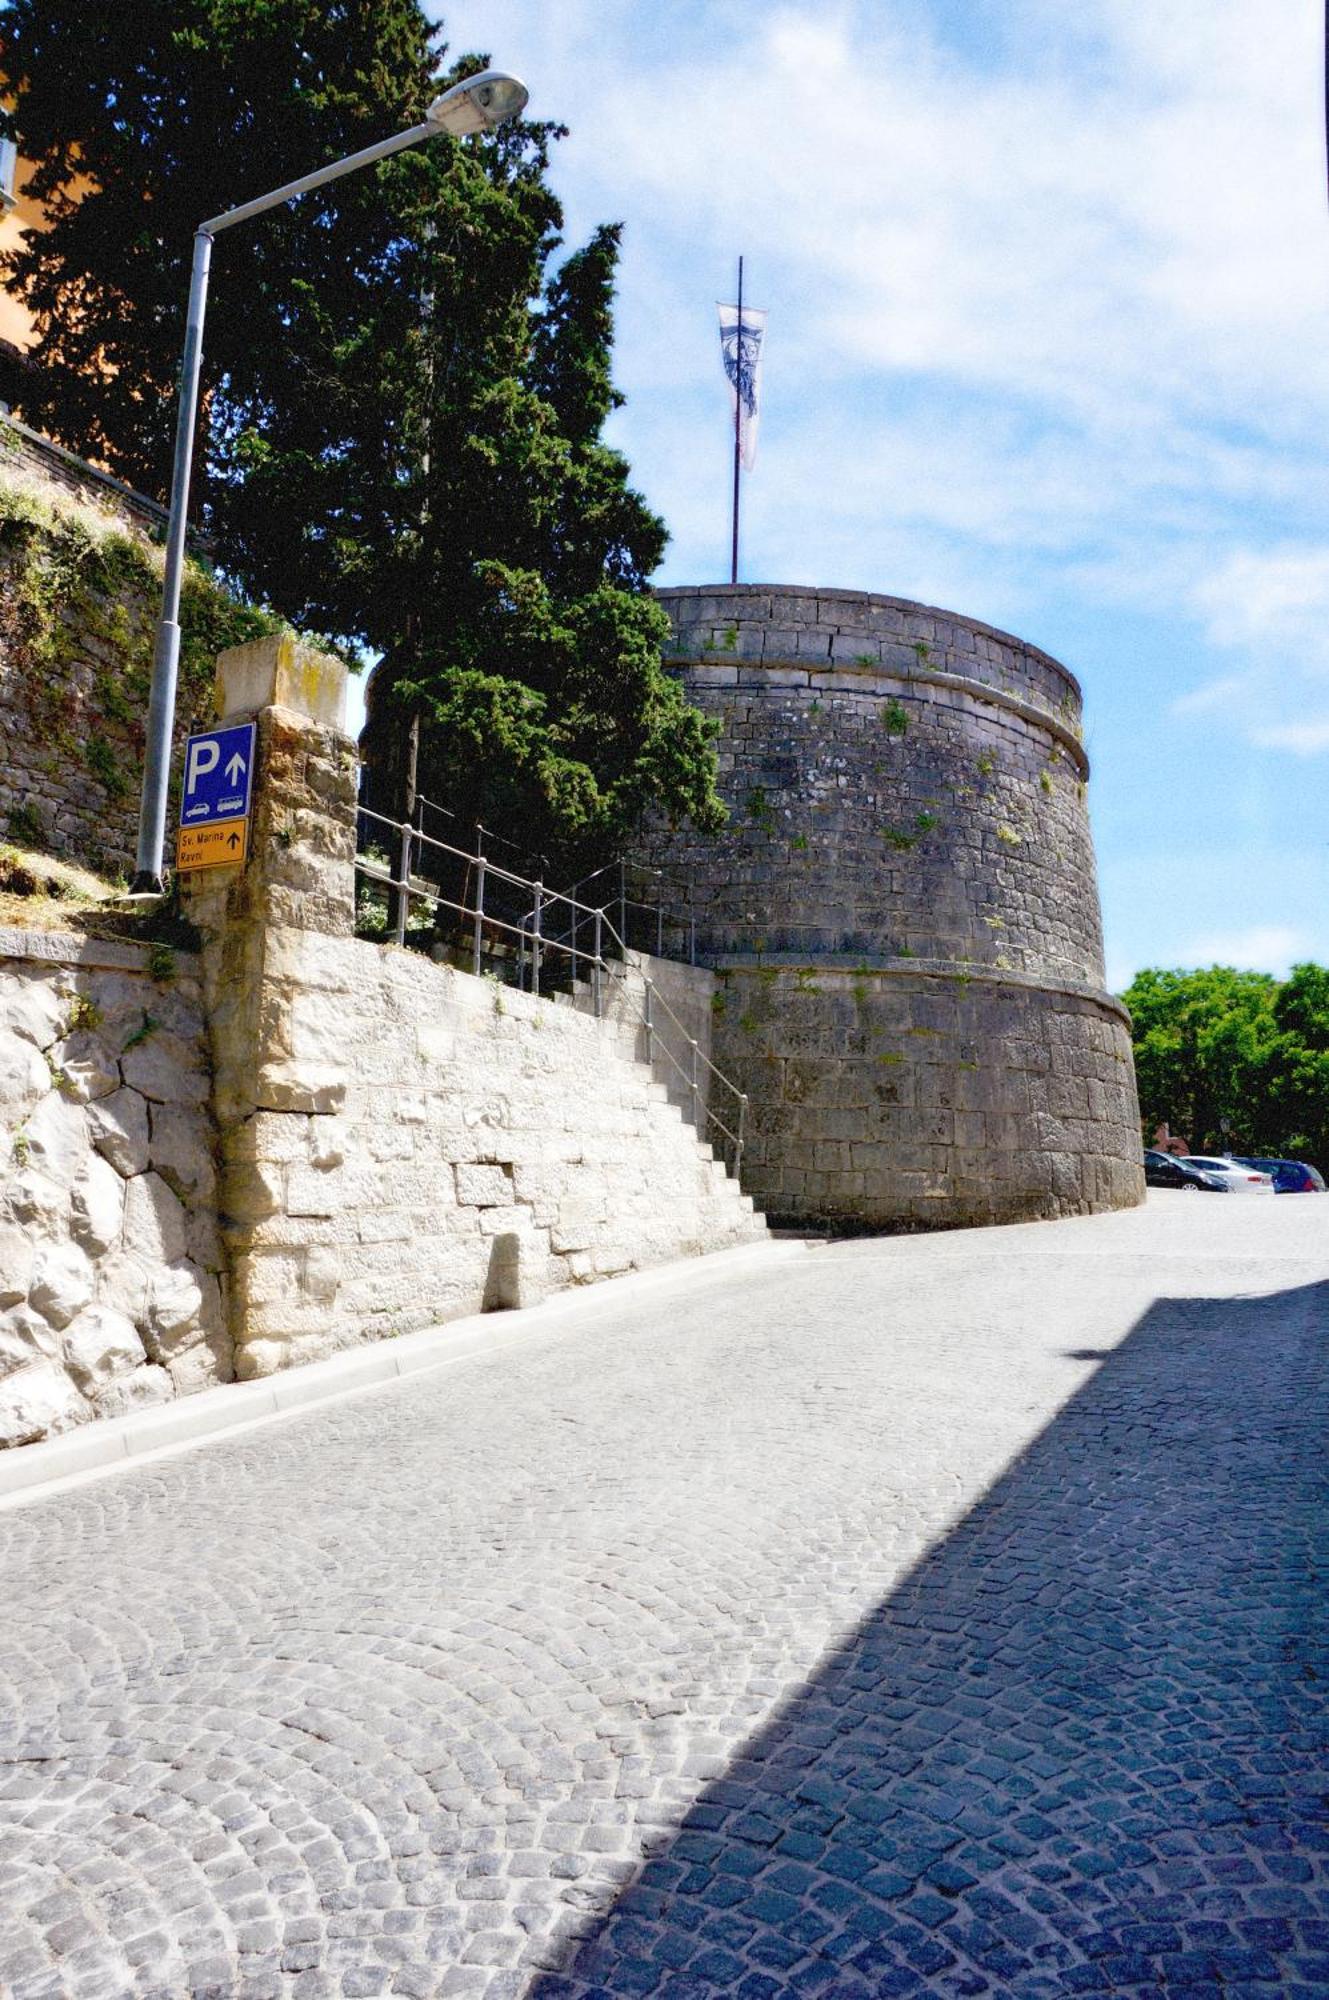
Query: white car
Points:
[1240, 1178]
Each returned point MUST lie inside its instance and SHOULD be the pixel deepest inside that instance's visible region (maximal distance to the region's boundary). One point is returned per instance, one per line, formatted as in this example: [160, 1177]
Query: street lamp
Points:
[478, 104]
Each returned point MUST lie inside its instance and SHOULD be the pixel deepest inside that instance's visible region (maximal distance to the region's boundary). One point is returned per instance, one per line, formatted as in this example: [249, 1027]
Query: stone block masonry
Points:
[903, 913]
[80, 582]
[222, 1166]
[401, 1142]
[112, 1286]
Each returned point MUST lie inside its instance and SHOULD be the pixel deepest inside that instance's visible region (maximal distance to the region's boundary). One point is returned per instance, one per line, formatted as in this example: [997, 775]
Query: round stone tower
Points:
[903, 913]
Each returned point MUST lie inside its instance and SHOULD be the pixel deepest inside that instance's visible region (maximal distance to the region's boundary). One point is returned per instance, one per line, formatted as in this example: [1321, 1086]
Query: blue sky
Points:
[1048, 344]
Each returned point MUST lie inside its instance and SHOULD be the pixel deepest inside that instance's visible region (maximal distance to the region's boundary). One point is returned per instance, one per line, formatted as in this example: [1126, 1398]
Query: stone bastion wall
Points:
[903, 913]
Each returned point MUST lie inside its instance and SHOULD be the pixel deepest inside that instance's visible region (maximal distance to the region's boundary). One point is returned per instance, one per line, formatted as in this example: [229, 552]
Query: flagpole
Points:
[738, 422]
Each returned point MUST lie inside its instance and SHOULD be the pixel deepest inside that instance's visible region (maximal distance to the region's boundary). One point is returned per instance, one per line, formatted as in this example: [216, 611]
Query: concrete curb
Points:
[34, 1471]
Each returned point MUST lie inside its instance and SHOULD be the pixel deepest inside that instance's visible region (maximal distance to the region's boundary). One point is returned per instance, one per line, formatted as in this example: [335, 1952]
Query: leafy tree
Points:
[1235, 1060]
[405, 396]
[1298, 1079]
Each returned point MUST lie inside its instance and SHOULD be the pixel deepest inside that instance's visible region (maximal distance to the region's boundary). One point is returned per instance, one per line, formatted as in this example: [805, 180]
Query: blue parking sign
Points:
[219, 775]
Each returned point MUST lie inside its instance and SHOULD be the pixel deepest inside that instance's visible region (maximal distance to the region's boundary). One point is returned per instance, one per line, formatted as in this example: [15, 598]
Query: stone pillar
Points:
[277, 1109]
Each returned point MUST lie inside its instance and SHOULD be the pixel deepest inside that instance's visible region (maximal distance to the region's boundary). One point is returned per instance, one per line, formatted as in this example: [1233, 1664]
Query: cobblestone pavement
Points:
[926, 1616]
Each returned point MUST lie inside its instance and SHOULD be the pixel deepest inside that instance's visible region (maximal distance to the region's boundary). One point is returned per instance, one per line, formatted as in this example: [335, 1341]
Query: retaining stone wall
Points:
[79, 590]
[403, 1142]
[907, 797]
[111, 1285]
[28, 451]
[438, 1144]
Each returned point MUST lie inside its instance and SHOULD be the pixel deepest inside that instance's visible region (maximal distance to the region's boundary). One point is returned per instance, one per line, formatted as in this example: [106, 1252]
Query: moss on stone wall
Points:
[79, 591]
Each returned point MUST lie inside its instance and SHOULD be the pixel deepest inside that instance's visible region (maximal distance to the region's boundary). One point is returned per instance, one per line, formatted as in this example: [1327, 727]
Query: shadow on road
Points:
[1080, 1750]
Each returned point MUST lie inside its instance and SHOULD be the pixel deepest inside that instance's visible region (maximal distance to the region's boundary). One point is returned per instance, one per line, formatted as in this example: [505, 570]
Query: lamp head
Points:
[478, 104]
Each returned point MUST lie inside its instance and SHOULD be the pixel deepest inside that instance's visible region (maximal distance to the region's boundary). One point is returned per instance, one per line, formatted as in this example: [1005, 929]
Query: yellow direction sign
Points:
[222, 844]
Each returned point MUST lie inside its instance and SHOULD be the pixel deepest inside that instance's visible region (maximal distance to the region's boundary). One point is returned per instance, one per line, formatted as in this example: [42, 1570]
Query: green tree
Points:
[1298, 1079]
[1236, 1061]
[141, 119]
[1202, 1042]
[405, 395]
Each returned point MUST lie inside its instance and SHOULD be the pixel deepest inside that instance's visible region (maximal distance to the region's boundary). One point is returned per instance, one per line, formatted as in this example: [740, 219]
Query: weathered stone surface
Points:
[97, 1205]
[284, 672]
[202, 1365]
[180, 1150]
[484, 1186]
[175, 1309]
[73, 1293]
[140, 1389]
[118, 1125]
[61, 1283]
[33, 1200]
[86, 1066]
[34, 1002]
[16, 1252]
[57, 1138]
[122, 1282]
[38, 1401]
[301, 1086]
[25, 1336]
[100, 1343]
[904, 911]
[166, 1070]
[155, 1229]
[24, 1079]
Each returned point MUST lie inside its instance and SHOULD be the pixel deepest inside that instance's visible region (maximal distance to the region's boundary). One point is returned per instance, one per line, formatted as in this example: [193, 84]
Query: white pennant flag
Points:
[742, 365]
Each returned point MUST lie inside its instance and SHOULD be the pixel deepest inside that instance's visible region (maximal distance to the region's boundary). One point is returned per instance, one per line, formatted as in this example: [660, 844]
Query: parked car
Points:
[1235, 1174]
[1166, 1170]
[1290, 1176]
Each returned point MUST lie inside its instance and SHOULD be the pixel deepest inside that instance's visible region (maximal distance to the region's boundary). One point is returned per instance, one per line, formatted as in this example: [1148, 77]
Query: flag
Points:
[742, 365]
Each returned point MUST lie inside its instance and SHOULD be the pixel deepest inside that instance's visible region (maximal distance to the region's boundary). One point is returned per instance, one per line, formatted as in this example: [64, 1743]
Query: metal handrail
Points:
[533, 934]
[484, 832]
[406, 886]
[691, 1078]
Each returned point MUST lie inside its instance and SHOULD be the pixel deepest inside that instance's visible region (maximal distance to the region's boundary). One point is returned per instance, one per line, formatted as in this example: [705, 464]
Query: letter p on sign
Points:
[204, 751]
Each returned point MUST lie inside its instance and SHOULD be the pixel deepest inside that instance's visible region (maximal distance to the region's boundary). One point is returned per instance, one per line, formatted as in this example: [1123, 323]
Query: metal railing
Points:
[691, 1074]
[497, 924]
[644, 926]
[509, 926]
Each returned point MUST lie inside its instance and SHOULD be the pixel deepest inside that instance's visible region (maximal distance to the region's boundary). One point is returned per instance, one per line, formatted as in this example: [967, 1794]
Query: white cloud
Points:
[1270, 596]
[1270, 607]
[1303, 739]
[1255, 948]
[1053, 314]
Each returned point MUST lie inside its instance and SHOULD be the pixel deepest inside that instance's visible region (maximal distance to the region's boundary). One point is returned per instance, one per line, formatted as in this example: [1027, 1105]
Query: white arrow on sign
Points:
[235, 768]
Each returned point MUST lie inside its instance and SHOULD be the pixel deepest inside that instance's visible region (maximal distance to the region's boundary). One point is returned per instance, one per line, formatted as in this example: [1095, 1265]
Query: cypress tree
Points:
[405, 395]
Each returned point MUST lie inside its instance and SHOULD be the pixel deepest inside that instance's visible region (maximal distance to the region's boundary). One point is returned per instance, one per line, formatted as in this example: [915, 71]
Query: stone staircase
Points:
[622, 1014]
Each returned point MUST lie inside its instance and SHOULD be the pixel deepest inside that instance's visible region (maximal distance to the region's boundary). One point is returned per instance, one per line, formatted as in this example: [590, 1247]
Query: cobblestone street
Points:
[927, 1615]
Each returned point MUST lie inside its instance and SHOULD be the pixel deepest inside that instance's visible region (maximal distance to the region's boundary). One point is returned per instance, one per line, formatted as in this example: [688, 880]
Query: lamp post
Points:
[478, 104]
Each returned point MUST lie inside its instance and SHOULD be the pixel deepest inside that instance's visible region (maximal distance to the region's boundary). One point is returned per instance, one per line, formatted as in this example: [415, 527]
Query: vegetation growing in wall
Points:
[895, 719]
[759, 809]
[80, 591]
[903, 838]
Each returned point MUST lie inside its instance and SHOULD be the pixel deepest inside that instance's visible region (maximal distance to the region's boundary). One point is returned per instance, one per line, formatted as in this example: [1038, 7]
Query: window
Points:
[8, 171]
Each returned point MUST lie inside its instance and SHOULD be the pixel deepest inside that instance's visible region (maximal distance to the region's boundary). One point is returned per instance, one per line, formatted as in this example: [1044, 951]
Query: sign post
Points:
[215, 799]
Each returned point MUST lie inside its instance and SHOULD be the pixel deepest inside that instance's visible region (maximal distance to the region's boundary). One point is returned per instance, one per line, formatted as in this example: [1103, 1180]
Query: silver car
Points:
[1240, 1178]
